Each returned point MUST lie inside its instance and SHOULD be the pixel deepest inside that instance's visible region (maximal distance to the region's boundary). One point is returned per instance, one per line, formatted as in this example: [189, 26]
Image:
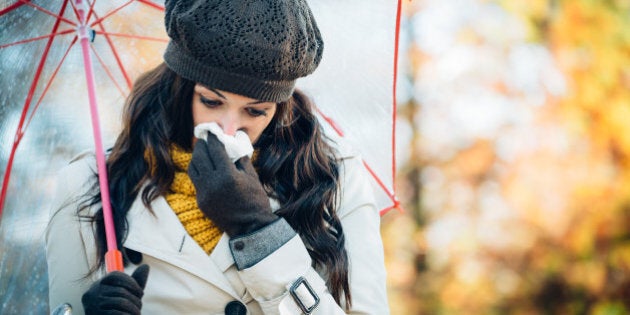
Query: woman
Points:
[293, 230]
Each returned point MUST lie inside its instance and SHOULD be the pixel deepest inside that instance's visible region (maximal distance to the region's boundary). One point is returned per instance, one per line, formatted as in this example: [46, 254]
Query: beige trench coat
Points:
[184, 280]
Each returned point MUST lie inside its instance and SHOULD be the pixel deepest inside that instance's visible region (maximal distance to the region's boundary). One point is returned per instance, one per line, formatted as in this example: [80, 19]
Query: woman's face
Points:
[232, 112]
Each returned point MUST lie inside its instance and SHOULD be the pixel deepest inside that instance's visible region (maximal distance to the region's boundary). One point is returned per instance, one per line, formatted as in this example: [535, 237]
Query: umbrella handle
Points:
[113, 260]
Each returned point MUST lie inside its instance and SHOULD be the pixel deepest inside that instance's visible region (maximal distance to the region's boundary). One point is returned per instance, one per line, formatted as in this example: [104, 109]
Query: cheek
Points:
[196, 115]
[254, 133]
[201, 114]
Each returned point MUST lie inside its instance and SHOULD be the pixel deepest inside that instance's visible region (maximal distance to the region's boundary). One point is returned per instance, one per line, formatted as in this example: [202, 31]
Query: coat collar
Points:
[162, 236]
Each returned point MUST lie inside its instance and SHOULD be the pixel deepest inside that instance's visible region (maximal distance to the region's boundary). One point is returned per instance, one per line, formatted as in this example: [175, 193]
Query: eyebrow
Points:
[223, 97]
[216, 92]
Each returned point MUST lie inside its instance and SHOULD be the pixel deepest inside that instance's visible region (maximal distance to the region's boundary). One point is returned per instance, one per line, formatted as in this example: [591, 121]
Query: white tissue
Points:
[236, 146]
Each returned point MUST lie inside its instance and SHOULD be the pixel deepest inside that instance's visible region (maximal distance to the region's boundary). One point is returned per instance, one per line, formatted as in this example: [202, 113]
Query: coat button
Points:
[134, 256]
[239, 245]
[235, 308]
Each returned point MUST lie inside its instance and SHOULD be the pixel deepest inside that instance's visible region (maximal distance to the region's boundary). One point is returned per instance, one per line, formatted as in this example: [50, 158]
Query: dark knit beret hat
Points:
[255, 48]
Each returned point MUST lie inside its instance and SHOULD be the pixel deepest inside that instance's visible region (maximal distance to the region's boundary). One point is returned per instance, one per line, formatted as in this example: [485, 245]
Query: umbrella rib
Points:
[330, 122]
[391, 195]
[109, 73]
[12, 7]
[20, 132]
[394, 109]
[157, 39]
[48, 84]
[152, 4]
[76, 13]
[380, 182]
[91, 11]
[108, 14]
[65, 32]
[115, 52]
[57, 16]
[394, 101]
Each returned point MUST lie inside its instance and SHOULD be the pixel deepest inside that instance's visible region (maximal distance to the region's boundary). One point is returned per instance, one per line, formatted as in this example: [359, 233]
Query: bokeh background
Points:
[58, 125]
[513, 144]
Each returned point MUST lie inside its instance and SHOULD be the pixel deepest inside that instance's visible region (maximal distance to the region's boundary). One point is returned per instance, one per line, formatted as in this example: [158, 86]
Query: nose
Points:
[230, 123]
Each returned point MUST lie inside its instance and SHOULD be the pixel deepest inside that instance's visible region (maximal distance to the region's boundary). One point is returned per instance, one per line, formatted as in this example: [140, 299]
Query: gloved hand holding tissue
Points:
[236, 146]
[228, 189]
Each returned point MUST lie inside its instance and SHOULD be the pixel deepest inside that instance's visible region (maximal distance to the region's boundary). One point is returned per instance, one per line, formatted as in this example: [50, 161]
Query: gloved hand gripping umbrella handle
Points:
[113, 257]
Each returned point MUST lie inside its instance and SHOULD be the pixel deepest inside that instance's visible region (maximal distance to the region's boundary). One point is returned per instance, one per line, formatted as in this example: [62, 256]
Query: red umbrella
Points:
[38, 45]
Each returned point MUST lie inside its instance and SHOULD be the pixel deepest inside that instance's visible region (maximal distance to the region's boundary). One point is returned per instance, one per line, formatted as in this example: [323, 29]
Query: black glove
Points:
[229, 194]
[116, 293]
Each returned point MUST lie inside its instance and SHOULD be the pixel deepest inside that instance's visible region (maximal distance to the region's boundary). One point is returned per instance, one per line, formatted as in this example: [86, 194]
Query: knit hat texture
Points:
[255, 48]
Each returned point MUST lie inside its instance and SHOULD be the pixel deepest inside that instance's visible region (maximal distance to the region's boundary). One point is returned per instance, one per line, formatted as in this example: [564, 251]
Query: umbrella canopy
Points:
[45, 117]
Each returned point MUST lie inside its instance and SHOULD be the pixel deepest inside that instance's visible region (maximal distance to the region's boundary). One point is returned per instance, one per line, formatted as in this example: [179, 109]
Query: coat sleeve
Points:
[269, 280]
[67, 237]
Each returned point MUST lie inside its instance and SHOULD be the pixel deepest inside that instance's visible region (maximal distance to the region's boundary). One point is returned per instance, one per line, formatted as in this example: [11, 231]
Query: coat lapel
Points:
[163, 236]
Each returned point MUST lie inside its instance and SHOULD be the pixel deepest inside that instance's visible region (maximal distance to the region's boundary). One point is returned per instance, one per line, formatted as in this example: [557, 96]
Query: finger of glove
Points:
[141, 274]
[100, 295]
[245, 164]
[122, 280]
[202, 162]
[119, 305]
[216, 150]
[195, 174]
[115, 292]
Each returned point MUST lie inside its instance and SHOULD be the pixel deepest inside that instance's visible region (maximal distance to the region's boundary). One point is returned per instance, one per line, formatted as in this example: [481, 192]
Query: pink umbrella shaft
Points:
[113, 258]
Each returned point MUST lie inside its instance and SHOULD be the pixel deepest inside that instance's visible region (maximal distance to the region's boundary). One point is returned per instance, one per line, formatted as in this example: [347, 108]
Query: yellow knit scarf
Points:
[184, 203]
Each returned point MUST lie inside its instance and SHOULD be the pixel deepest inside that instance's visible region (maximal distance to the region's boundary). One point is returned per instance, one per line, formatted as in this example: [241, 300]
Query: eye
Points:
[209, 103]
[256, 112]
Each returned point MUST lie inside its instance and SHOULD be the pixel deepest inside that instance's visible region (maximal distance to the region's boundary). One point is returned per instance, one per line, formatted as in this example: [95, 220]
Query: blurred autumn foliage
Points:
[516, 179]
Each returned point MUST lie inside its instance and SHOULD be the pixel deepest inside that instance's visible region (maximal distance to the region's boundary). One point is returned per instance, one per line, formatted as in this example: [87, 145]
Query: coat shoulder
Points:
[355, 188]
[76, 179]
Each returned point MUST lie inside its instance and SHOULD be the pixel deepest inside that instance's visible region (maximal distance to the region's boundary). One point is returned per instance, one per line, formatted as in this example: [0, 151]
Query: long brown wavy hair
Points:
[294, 162]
